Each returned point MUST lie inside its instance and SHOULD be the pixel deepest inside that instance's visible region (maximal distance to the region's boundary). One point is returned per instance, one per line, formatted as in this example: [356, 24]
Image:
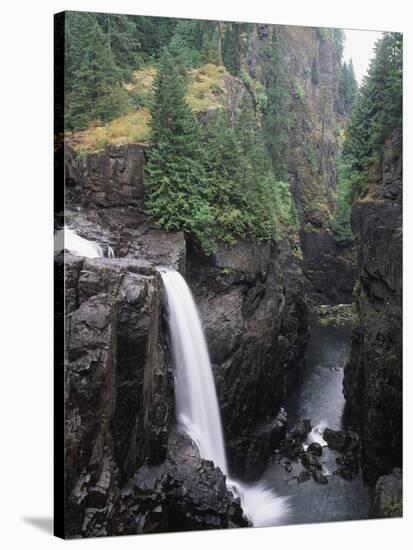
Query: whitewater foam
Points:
[197, 404]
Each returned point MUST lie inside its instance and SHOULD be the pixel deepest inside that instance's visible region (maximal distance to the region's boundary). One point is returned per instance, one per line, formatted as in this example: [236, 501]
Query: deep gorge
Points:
[129, 470]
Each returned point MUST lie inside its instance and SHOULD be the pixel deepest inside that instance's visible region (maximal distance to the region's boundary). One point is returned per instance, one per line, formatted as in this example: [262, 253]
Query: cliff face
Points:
[373, 376]
[252, 304]
[312, 61]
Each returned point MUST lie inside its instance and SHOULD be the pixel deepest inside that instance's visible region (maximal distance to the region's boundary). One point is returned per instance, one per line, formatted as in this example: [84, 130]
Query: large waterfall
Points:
[196, 399]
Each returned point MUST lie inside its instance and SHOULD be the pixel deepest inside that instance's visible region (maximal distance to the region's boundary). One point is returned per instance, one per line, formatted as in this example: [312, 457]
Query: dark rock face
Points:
[116, 383]
[388, 496]
[252, 306]
[184, 493]
[338, 440]
[111, 177]
[125, 473]
[105, 203]
[373, 376]
[328, 268]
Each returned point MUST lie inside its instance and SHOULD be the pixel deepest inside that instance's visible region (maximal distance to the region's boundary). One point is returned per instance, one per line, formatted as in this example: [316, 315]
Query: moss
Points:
[393, 508]
[298, 89]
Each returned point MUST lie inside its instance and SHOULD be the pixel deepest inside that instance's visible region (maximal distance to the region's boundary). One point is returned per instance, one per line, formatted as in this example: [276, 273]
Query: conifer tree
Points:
[92, 79]
[177, 190]
[278, 120]
[223, 167]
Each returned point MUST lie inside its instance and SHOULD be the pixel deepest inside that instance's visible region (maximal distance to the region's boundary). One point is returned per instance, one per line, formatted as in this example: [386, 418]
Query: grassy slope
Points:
[205, 90]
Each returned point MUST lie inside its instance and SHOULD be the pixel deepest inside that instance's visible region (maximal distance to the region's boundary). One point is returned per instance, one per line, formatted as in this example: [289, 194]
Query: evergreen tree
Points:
[92, 79]
[347, 85]
[341, 223]
[230, 48]
[177, 190]
[223, 163]
[377, 110]
[278, 118]
[122, 39]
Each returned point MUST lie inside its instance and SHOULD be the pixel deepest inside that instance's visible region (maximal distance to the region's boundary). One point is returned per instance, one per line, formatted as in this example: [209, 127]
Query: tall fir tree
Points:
[223, 168]
[177, 190]
[377, 109]
[92, 79]
[278, 118]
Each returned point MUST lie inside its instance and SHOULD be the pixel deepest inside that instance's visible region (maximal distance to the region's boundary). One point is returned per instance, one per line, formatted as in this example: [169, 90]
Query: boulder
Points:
[338, 440]
[387, 501]
[184, 493]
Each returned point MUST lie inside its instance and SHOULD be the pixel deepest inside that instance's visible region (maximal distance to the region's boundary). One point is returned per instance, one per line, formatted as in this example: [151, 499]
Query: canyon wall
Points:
[312, 59]
[373, 376]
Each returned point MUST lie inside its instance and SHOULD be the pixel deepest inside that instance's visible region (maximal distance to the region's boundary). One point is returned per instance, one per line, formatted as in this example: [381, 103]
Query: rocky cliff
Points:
[373, 376]
[312, 58]
[119, 412]
[124, 467]
[252, 305]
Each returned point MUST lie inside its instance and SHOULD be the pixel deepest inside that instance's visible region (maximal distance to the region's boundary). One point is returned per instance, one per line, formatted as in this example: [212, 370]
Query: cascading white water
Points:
[196, 399]
[67, 239]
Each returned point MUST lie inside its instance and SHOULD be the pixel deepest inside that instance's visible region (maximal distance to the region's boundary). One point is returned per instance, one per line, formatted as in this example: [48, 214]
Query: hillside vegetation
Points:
[220, 136]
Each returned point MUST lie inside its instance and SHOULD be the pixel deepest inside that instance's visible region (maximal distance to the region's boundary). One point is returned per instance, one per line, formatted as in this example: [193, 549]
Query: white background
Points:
[26, 271]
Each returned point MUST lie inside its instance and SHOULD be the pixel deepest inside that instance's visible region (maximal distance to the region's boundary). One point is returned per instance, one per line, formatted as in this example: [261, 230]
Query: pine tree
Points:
[257, 178]
[223, 167]
[377, 109]
[92, 79]
[347, 86]
[278, 118]
[230, 48]
[177, 190]
[122, 39]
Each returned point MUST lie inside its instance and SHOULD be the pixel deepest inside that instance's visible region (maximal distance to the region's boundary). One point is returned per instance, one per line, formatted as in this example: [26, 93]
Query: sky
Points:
[359, 46]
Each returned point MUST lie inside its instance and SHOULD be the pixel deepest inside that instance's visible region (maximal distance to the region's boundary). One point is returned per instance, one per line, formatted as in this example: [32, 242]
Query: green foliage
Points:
[347, 87]
[315, 71]
[177, 191]
[298, 89]
[231, 48]
[277, 116]
[376, 111]
[341, 222]
[121, 38]
[393, 508]
[92, 79]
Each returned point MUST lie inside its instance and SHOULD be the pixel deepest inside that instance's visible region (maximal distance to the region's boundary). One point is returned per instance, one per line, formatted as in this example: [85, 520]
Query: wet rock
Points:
[337, 439]
[329, 268]
[292, 445]
[348, 466]
[387, 501]
[315, 449]
[319, 477]
[336, 316]
[310, 462]
[304, 476]
[184, 493]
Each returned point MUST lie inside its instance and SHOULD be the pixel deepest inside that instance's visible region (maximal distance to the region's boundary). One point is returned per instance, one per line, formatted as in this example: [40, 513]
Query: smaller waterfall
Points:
[66, 239]
[197, 404]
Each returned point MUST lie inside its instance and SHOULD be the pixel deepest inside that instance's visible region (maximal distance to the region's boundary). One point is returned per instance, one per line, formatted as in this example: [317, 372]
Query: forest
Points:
[229, 253]
[237, 165]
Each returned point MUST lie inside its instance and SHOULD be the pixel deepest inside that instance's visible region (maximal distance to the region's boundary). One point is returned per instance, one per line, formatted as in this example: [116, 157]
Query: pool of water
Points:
[318, 396]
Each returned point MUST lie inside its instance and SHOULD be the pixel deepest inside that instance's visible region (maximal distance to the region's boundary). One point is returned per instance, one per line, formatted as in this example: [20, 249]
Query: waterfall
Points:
[67, 239]
[196, 399]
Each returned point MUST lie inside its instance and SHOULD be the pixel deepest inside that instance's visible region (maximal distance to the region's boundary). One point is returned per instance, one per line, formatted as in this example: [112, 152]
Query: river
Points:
[318, 396]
